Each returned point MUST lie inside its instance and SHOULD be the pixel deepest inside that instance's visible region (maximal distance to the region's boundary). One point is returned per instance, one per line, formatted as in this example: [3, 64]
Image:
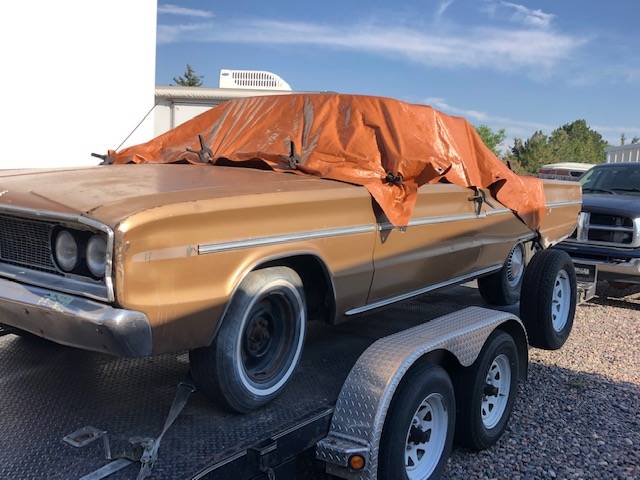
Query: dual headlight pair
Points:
[68, 253]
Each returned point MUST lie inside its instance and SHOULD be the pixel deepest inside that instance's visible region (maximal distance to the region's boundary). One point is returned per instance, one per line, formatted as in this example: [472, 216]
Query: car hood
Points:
[622, 205]
[114, 192]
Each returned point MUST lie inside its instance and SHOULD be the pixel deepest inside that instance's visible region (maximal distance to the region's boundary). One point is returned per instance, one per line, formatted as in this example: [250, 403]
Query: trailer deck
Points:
[48, 391]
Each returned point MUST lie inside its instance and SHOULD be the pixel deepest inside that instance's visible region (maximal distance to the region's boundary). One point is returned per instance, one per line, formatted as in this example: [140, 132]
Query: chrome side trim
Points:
[429, 288]
[72, 287]
[448, 218]
[497, 211]
[278, 239]
[564, 203]
[443, 219]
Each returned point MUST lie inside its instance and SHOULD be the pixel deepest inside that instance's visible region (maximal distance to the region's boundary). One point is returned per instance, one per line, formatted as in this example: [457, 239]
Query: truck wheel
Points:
[548, 303]
[486, 392]
[503, 287]
[259, 343]
[418, 431]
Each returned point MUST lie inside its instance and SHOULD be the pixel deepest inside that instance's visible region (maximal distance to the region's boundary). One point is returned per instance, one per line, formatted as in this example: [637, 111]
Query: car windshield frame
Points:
[612, 179]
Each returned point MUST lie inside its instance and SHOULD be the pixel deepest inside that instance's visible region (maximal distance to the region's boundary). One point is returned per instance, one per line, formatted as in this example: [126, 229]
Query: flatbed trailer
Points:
[48, 391]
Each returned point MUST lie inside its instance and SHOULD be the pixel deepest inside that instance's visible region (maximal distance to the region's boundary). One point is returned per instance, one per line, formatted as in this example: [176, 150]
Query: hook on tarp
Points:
[294, 159]
[205, 155]
[106, 159]
[394, 179]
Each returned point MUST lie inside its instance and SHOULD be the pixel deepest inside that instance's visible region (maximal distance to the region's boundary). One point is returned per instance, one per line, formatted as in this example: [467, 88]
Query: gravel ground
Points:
[578, 415]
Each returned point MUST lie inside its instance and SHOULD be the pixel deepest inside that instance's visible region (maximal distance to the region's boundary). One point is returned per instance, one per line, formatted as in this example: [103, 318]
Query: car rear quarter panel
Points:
[564, 201]
[162, 270]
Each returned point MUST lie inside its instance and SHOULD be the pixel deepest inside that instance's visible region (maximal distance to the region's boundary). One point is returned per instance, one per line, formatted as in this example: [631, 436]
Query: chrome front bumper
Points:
[74, 321]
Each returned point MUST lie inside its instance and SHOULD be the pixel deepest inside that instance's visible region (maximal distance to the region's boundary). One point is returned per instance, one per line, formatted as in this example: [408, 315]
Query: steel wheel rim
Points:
[515, 266]
[561, 301]
[426, 437]
[287, 359]
[495, 394]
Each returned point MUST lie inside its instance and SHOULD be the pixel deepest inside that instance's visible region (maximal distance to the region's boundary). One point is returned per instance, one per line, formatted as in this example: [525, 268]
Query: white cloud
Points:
[170, 9]
[179, 33]
[524, 128]
[519, 13]
[512, 126]
[495, 48]
[442, 7]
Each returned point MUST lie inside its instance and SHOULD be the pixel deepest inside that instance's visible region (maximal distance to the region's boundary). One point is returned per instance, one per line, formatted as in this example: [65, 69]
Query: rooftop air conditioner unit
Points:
[252, 79]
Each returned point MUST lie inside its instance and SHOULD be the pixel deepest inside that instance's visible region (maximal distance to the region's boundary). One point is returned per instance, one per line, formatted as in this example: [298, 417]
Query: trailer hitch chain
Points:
[143, 450]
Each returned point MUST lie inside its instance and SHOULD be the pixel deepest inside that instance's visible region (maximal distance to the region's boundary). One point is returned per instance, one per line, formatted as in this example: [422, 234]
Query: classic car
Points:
[231, 263]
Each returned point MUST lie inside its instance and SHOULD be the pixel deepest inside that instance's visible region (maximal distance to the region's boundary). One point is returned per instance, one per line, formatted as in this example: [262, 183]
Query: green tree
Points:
[635, 140]
[491, 138]
[572, 142]
[623, 138]
[189, 78]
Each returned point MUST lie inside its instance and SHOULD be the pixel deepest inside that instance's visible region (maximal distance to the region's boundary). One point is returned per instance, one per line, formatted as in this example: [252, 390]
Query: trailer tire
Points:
[549, 299]
[483, 418]
[426, 391]
[259, 343]
[503, 287]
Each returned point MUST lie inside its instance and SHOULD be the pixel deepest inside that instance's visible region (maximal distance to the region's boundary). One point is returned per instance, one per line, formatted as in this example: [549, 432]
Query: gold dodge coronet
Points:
[187, 250]
[137, 260]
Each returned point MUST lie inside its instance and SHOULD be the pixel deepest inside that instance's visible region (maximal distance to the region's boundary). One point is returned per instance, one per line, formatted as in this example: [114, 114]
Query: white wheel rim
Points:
[515, 266]
[495, 394]
[430, 422]
[561, 301]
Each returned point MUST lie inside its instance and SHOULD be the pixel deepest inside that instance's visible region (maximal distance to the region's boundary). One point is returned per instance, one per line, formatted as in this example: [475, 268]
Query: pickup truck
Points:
[608, 231]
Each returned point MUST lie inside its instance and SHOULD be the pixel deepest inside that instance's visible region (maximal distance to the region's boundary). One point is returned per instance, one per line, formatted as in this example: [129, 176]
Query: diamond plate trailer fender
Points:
[362, 405]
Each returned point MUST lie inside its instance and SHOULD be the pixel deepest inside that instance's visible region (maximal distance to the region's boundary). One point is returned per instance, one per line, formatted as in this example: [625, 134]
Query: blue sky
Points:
[520, 65]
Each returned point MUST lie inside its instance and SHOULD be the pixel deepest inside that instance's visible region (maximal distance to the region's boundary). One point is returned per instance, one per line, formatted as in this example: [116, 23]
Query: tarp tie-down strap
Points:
[141, 449]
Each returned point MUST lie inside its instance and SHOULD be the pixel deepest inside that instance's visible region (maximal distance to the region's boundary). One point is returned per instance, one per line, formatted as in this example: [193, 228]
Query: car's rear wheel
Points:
[259, 343]
[503, 287]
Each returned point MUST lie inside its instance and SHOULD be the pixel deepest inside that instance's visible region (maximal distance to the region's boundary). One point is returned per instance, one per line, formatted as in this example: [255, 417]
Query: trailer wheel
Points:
[259, 343]
[549, 299]
[418, 431]
[503, 287]
[486, 393]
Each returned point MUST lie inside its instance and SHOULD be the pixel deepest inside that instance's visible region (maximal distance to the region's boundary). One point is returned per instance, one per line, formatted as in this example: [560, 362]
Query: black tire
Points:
[540, 279]
[502, 287]
[470, 383]
[258, 344]
[418, 384]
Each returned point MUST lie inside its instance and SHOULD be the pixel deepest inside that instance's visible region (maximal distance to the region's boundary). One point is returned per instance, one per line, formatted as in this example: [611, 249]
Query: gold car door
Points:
[442, 243]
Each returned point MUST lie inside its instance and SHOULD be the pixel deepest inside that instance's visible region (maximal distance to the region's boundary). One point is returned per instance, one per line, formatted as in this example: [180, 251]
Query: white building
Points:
[623, 153]
[176, 105]
[76, 78]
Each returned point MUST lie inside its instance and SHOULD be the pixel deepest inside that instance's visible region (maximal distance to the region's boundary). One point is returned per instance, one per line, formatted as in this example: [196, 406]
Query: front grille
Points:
[26, 243]
[605, 229]
[602, 219]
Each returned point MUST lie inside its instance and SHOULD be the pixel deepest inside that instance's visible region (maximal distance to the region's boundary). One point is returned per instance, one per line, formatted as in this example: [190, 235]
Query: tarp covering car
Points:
[388, 146]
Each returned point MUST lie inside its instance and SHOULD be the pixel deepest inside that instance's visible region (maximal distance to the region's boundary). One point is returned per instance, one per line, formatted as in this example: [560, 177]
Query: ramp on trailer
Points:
[48, 391]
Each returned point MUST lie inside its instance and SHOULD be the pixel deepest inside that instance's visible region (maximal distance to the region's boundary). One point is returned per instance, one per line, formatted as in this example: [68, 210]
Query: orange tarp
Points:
[388, 146]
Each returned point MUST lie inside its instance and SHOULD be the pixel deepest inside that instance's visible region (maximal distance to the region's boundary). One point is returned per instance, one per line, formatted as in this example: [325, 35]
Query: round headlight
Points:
[97, 255]
[66, 250]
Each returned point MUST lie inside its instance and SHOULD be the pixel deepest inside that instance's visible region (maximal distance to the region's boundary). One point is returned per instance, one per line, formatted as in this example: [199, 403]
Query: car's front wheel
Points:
[259, 343]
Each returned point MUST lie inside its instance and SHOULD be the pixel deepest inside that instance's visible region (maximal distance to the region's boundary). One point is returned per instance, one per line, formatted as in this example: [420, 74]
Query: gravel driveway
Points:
[578, 416]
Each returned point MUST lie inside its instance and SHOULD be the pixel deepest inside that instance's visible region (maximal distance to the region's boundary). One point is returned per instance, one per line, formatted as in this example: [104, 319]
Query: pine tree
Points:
[189, 78]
